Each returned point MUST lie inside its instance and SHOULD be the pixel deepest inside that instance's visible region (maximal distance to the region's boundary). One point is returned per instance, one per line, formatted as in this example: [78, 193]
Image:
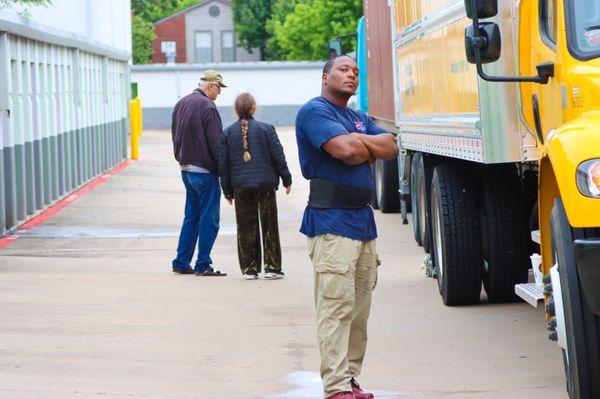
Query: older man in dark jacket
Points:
[196, 130]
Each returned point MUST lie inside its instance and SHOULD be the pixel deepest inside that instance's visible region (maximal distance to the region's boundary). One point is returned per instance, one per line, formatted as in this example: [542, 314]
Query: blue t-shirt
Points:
[317, 122]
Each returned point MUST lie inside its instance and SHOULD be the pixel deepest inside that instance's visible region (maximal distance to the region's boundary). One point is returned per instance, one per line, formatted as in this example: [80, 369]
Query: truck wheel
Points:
[424, 218]
[456, 245]
[419, 201]
[388, 198]
[582, 360]
[414, 197]
[505, 242]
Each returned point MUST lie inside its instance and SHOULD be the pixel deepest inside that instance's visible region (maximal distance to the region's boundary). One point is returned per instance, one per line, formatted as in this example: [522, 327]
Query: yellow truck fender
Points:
[566, 148]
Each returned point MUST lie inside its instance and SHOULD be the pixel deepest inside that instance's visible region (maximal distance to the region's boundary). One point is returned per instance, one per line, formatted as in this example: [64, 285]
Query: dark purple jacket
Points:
[196, 130]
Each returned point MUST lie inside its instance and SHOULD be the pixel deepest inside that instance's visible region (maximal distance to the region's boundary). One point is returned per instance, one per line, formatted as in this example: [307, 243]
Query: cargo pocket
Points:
[334, 285]
[332, 258]
[335, 294]
[332, 271]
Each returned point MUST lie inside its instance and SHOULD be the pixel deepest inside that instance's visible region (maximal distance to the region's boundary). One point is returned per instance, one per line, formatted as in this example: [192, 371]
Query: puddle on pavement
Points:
[101, 232]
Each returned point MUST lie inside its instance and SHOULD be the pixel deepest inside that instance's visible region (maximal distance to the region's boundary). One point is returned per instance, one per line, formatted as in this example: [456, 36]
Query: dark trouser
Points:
[250, 205]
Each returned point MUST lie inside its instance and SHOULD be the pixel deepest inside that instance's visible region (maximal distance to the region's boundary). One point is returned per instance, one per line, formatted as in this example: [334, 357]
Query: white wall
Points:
[278, 83]
[280, 89]
[104, 21]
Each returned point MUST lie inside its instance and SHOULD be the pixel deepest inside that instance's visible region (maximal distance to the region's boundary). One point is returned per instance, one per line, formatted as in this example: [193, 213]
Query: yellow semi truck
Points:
[496, 104]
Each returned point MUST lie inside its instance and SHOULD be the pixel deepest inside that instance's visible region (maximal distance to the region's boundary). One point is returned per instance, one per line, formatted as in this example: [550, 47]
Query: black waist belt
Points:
[325, 194]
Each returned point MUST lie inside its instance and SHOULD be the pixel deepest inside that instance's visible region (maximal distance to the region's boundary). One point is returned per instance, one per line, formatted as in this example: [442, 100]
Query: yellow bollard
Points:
[141, 116]
[135, 147]
[134, 133]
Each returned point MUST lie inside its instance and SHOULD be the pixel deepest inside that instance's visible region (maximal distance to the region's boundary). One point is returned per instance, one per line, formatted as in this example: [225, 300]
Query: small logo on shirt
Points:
[360, 126]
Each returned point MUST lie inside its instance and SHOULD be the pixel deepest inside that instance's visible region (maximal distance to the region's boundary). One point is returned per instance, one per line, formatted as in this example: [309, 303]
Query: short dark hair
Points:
[329, 64]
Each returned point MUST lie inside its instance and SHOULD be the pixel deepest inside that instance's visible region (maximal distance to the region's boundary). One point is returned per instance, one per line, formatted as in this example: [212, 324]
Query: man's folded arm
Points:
[348, 149]
[381, 146]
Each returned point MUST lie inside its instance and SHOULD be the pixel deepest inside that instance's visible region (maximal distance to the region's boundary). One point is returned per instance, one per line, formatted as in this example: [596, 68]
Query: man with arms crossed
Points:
[336, 146]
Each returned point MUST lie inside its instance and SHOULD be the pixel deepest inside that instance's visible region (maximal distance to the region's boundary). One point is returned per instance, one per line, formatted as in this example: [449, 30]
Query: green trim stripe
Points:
[29, 178]
[19, 151]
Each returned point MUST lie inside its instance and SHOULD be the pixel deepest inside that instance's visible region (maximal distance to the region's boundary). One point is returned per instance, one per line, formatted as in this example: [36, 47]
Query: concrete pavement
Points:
[90, 309]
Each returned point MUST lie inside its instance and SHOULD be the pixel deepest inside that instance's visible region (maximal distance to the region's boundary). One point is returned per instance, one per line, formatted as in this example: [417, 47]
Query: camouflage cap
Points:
[211, 75]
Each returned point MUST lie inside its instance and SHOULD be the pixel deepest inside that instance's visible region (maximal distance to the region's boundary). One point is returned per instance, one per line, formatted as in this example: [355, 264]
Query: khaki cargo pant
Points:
[345, 276]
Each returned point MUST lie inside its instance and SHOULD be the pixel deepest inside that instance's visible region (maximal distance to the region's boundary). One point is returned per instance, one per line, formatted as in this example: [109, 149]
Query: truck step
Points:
[535, 236]
[530, 293]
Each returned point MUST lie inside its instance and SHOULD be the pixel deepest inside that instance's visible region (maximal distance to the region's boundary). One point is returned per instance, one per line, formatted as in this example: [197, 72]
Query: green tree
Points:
[280, 9]
[250, 18]
[305, 32]
[145, 13]
[155, 10]
[142, 33]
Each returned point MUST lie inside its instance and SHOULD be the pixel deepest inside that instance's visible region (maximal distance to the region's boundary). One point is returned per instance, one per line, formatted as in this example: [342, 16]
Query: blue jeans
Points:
[201, 222]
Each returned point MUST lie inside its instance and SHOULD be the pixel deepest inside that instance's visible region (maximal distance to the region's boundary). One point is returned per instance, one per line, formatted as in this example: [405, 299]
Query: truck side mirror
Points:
[335, 48]
[483, 44]
[484, 8]
[489, 42]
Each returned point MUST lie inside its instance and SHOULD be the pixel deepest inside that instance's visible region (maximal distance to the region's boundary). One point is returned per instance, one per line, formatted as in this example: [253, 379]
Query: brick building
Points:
[202, 33]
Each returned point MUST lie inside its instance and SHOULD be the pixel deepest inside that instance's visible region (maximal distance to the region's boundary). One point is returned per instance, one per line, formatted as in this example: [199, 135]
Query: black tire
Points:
[504, 241]
[388, 197]
[423, 200]
[582, 326]
[456, 245]
[421, 217]
[414, 196]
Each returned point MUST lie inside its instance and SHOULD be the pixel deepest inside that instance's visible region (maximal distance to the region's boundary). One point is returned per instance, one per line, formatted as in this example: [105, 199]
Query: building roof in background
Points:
[191, 8]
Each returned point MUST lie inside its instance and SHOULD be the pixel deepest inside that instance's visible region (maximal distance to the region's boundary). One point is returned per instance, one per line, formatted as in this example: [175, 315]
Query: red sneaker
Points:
[343, 395]
[359, 393]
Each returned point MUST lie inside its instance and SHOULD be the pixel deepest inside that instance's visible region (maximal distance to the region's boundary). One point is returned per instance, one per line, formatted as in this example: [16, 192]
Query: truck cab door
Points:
[541, 36]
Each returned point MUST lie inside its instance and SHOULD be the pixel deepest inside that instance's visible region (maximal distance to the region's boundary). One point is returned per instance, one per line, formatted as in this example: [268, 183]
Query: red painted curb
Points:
[54, 209]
